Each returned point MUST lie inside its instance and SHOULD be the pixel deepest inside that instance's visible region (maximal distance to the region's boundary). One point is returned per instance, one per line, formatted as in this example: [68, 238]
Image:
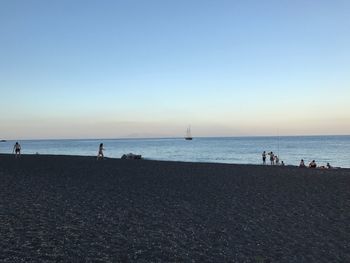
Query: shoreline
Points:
[333, 150]
[173, 161]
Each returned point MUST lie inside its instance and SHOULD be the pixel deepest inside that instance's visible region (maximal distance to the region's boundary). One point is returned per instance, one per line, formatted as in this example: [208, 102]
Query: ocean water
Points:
[247, 150]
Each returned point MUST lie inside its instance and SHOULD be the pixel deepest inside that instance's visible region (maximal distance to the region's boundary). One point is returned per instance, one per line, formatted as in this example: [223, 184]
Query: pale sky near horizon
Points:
[134, 68]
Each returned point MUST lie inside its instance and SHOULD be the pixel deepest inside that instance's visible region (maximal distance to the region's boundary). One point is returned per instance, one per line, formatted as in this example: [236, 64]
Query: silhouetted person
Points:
[17, 150]
[329, 166]
[272, 158]
[264, 157]
[100, 152]
[277, 160]
[302, 164]
[313, 164]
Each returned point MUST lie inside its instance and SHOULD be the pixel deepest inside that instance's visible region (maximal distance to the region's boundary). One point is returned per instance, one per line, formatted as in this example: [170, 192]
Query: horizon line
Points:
[177, 137]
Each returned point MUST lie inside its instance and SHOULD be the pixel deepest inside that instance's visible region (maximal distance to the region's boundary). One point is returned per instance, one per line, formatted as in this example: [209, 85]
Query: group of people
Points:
[17, 151]
[313, 164]
[274, 160]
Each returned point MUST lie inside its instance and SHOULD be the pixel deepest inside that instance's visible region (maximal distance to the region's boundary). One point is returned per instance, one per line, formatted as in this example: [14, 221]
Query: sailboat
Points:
[188, 134]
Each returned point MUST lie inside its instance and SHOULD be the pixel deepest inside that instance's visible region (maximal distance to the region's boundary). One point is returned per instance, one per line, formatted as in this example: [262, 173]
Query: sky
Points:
[135, 68]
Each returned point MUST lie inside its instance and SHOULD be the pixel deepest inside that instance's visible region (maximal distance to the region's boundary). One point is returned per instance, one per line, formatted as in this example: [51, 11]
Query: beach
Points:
[78, 209]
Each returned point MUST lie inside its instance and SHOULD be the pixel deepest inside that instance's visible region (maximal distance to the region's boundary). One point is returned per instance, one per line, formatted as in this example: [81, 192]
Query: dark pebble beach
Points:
[78, 209]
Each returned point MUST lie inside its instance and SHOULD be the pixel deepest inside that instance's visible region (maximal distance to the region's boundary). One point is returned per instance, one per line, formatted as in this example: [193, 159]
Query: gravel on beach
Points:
[78, 209]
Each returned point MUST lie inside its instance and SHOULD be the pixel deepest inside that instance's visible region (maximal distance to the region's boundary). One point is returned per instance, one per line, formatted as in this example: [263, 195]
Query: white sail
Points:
[188, 134]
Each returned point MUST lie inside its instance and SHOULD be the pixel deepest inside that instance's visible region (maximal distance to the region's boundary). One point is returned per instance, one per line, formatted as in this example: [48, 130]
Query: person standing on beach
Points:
[272, 158]
[264, 157]
[277, 160]
[100, 152]
[17, 150]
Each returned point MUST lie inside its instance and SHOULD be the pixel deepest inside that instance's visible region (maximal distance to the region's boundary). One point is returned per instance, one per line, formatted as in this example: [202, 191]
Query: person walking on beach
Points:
[17, 150]
[264, 157]
[100, 152]
[272, 158]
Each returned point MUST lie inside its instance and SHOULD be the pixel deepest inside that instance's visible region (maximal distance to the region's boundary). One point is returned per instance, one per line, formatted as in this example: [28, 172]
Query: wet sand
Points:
[77, 209]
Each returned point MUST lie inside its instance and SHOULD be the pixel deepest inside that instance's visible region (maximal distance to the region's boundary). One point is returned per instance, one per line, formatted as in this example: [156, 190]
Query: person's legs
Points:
[100, 156]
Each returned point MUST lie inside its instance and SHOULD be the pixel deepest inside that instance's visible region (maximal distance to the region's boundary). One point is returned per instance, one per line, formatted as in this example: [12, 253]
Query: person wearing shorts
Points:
[17, 150]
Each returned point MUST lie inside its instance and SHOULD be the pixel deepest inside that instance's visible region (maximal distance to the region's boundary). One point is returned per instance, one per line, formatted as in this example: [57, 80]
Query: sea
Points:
[239, 150]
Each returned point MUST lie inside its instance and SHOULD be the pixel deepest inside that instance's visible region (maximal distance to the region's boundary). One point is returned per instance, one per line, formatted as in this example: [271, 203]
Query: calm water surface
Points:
[323, 149]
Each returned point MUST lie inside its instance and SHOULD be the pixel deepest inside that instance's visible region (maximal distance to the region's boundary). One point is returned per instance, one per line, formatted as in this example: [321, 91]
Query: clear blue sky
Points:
[78, 69]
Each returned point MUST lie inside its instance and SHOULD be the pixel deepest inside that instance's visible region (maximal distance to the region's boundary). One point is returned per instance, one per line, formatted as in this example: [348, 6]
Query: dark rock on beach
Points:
[78, 209]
